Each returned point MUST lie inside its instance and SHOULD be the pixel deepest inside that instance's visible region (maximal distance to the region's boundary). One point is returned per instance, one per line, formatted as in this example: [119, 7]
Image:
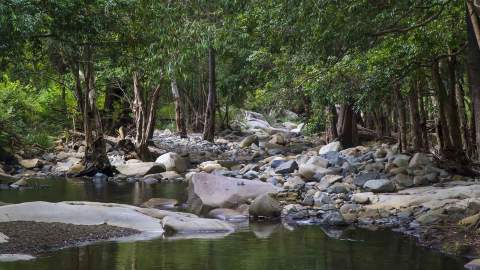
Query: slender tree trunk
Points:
[441, 99]
[144, 107]
[416, 129]
[423, 120]
[332, 125]
[209, 127]
[95, 151]
[459, 96]
[179, 115]
[473, 66]
[401, 116]
[452, 109]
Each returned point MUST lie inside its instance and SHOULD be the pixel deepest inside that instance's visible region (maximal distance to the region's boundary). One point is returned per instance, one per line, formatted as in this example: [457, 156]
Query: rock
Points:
[307, 171]
[274, 149]
[82, 213]
[331, 147]
[171, 176]
[362, 198]
[401, 160]
[277, 162]
[380, 153]
[31, 163]
[431, 217]
[338, 188]
[160, 203]
[140, 168]
[379, 185]
[420, 180]
[249, 140]
[298, 129]
[172, 162]
[321, 198]
[418, 160]
[76, 168]
[279, 139]
[178, 224]
[473, 265]
[7, 178]
[333, 218]
[328, 180]
[361, 178]
[265, 206]
[403, 180]
[470, 221]
[308, 197]
[227, 215]
[206, 191]
[293, 183]
[209, 166]
[318, 162]
[287, 167]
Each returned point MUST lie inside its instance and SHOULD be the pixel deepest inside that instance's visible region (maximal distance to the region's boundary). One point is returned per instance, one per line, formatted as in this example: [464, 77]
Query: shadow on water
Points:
[257, 246]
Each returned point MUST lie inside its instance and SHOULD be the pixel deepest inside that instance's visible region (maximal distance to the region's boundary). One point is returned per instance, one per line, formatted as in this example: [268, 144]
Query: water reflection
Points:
[84, 190]
[254, 246]
[303, 248]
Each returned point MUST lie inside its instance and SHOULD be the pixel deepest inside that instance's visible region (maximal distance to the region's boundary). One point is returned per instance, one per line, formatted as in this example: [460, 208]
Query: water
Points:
[259, 246]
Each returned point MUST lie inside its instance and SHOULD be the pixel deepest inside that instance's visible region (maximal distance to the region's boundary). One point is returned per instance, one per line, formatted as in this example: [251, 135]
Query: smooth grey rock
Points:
[172, 162]
[418, 160]
[140, 168]
[361, 178]
[379, 185]
[265, 206]
[287, 167]
[403, 180]
[331, 147]
[207, 191]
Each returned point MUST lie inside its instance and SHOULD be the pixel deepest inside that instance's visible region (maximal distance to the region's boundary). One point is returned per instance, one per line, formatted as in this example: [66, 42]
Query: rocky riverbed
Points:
[266, 172]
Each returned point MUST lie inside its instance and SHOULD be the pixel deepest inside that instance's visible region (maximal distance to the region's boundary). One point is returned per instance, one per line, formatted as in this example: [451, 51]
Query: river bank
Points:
[309, 182]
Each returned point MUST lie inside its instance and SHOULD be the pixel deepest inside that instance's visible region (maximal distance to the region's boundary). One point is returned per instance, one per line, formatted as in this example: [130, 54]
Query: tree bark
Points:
[209, 127]
[347, 134]
[416, 133]
[401, 116]
[473, 66]
[144, 114]
[332, 125]
[179, 115]
[95, 159]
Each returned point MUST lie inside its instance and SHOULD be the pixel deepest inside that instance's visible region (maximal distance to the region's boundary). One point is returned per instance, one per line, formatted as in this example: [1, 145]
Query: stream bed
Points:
[254, 246]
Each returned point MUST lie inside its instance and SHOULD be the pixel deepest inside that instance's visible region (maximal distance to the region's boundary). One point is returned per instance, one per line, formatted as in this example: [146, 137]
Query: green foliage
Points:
[32, 114]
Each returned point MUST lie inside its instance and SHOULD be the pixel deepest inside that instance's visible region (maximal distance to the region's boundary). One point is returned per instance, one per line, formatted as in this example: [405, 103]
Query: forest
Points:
[185, 118]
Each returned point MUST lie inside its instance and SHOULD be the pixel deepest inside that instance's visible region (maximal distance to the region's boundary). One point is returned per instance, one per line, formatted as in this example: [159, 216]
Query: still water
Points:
[256, 246]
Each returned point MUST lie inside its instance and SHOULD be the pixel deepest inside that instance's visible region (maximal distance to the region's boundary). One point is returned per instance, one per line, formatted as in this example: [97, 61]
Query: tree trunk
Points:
[473, 66]
[144, 114]
[423, 118]
[209, 127]
[459, 96]
[348, 134]
[332, 125]
[95, 151]
[179, 115]
[401, 116]
[416, 130]
[441, 99]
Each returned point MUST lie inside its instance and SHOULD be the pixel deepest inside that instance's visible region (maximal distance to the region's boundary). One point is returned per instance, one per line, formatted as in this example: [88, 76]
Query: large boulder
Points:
[331, 147]
[379, 185]
[227, 214]
[265, 206]
[81, 213]
[278, 138]
[172, 162]
[207, 191]
[140, 168]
